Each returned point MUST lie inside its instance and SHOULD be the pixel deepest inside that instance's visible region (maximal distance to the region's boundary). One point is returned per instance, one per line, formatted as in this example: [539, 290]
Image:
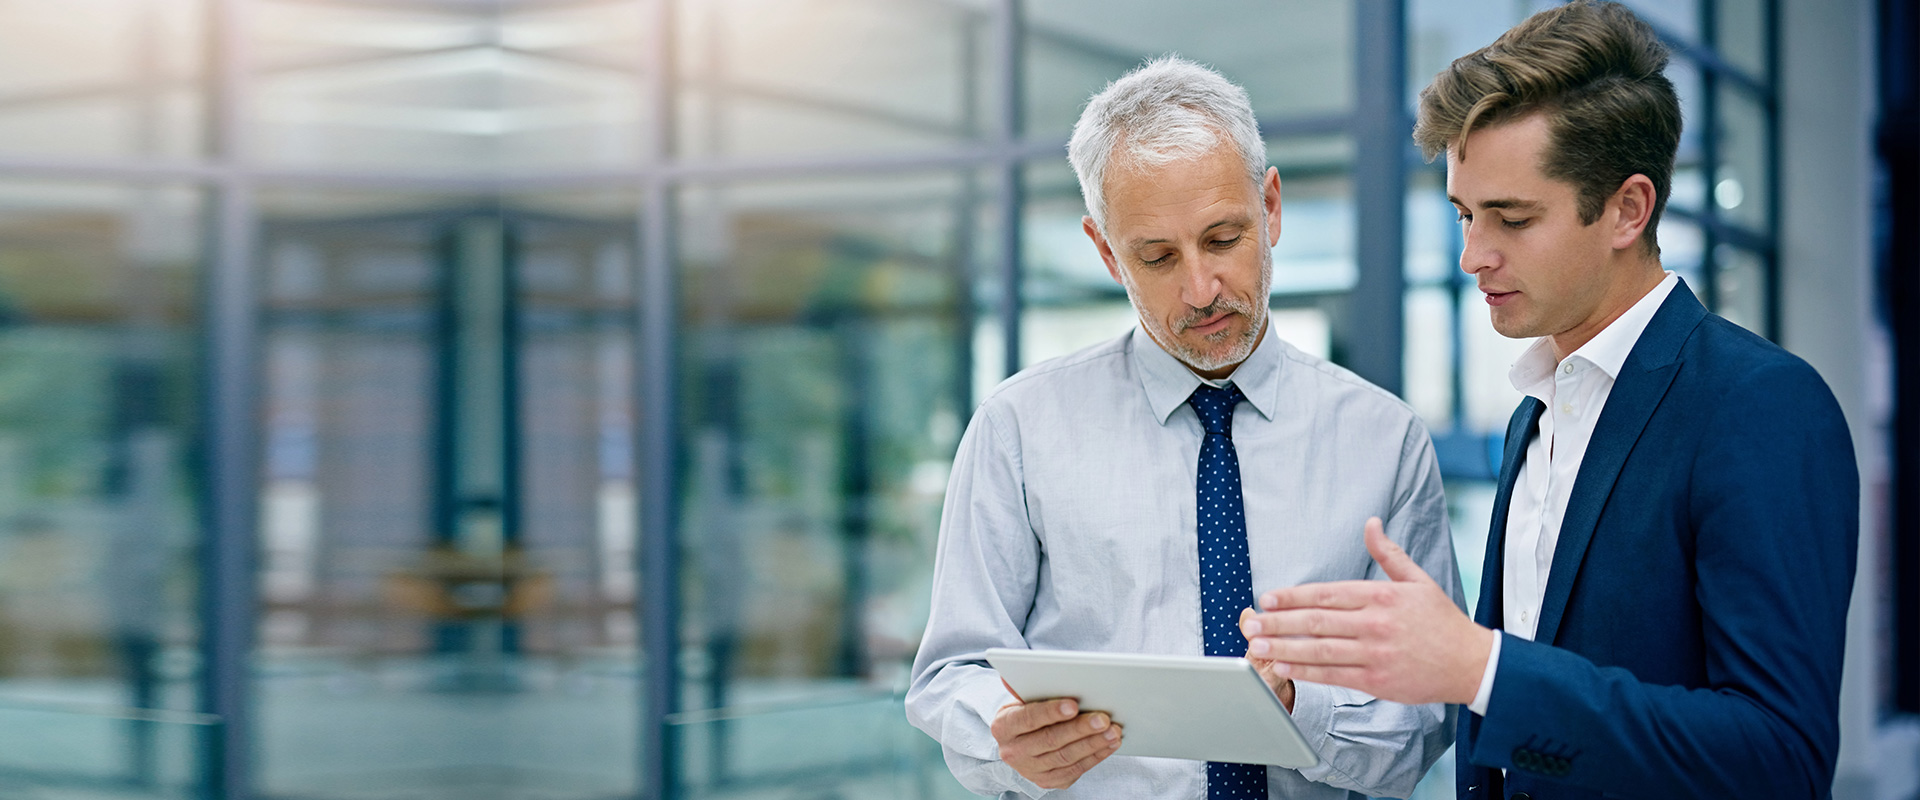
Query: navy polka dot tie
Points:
[1226, 582]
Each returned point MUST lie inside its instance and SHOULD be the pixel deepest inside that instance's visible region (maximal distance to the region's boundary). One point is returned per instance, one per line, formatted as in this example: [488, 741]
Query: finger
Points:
[1316, 622]
[1349, 677]
[1395, 561]
[1016, 695]
[1041, 745]
[1338, 594]
[1026, 719]
[1072, 752]
[1316, 652]
[1070, 773]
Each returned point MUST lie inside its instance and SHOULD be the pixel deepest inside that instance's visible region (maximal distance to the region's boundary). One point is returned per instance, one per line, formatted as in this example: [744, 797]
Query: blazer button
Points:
[1522, 796]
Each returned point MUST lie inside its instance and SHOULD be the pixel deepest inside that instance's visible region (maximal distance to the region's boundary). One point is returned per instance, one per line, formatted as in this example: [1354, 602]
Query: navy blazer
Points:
[1695, 616]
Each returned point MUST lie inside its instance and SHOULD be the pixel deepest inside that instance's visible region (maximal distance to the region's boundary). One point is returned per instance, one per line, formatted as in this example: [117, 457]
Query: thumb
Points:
[1398, 565]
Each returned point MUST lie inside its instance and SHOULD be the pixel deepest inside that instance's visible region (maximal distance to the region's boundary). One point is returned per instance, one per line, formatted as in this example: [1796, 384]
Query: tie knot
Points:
[1215, 407]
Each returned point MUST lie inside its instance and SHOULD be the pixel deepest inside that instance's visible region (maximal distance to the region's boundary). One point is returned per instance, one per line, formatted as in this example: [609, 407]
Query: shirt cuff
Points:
[1485, 695]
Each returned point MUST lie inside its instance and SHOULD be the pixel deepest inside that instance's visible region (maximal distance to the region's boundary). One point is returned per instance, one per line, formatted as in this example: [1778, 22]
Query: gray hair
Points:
[1166, 110]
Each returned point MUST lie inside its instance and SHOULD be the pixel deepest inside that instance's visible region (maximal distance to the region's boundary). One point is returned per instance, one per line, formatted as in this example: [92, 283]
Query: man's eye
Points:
[1155, 262]
[1228, 242]
[1516, 224]
[1464, 218]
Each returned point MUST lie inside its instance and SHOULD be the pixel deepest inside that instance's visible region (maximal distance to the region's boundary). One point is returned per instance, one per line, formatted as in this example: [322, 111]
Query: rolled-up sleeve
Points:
[1369, 745]
[985, 570]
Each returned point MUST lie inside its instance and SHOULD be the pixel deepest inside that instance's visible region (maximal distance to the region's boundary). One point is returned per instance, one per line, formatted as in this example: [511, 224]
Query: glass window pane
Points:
[1439, 31]
[1316, 253]
[1488, 397]
[1743, 34]
[120, 78]
[1432, 231]
[1742, 287]
[1680, 18]
[763, 77]
[448, 506]
[572, 85]
[1295, 58]
[1744, 180]
[825, 325]
[365, 85]
[1427, 354]
[1683, 251]
[99, 433]
[1689, 178]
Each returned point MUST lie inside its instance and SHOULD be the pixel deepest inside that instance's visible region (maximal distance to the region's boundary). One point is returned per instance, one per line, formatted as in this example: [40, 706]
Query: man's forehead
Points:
[1502, 167]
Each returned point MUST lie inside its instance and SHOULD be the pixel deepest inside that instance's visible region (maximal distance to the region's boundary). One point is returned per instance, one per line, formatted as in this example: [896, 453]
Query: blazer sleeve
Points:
[1774, 509]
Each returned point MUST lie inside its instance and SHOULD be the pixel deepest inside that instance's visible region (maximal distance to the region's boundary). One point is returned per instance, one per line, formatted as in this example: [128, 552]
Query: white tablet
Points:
[1197, 707]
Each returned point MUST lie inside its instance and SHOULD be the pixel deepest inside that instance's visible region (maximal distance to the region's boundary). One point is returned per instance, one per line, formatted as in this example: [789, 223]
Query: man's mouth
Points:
[1211, 325]
[1498, 298]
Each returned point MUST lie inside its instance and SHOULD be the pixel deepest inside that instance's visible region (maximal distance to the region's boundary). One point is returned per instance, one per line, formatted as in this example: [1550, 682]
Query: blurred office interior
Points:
[554, 399]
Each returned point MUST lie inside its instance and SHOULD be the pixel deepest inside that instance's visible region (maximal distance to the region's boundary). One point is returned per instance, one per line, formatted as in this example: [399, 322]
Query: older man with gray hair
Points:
[1119, 500]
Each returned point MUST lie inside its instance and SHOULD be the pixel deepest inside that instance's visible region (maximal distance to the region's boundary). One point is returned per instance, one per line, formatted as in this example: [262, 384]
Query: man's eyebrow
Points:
[1140, 243]
[1511, 203]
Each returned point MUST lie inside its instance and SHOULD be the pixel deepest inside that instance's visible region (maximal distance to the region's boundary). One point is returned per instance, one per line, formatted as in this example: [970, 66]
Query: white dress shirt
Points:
[1070, 525]
[1574, 392]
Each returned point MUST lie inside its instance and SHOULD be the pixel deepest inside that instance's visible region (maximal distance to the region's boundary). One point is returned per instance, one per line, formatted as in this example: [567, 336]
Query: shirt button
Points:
[1567, 368]
[1526, 615]
[1566, 408]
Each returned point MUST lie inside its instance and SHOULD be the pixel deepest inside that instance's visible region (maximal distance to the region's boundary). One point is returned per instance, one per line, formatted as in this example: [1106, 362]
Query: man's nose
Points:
[1475, 254]
[1203, 283]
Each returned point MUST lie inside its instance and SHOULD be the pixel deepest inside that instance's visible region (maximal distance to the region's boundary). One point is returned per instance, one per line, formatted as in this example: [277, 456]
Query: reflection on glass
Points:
[1744, 180]
[98, 505]
[447, 504]
[760, 77]
[114, 78]
[460, 87]
[1296, 61]
[823, 331]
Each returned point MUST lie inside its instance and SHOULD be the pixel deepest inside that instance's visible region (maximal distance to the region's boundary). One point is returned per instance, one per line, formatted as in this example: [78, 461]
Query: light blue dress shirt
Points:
[1069, 525]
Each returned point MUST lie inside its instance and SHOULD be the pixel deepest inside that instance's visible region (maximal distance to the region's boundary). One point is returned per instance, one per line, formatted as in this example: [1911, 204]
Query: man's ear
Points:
[1632, 207]
[1106, 250]
[1270, 200]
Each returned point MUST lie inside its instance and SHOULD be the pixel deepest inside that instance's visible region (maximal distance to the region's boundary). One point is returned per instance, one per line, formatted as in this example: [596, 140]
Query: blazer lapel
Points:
[1643, 381]
[1520, 429]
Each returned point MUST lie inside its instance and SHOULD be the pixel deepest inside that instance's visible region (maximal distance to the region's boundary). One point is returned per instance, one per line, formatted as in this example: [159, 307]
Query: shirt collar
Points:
[1169, 383]
[1607, 350]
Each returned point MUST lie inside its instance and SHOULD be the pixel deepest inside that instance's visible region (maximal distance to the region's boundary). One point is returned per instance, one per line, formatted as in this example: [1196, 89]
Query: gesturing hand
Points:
[1401, 640]
[1050, 742]
[1282, 687]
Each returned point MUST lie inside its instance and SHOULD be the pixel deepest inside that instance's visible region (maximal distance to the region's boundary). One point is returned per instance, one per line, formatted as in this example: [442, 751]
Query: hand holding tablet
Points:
[1193, 707]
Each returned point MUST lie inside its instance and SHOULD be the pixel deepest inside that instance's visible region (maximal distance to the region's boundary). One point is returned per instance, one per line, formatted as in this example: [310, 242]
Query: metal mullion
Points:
[658, 602]
[1380, 180]
[1710, 223]
[1008, 26]
[1770, 30]
[230, 423]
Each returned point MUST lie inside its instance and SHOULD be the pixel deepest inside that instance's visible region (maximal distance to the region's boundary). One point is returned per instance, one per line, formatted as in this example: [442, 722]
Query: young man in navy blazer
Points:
[1663, 607]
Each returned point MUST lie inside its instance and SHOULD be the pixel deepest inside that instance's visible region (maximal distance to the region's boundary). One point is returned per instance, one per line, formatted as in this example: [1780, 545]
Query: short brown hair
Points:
[1595, 70]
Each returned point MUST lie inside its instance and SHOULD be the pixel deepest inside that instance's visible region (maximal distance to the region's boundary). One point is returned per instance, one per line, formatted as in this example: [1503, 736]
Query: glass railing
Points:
[854, 745]
[66, 751]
